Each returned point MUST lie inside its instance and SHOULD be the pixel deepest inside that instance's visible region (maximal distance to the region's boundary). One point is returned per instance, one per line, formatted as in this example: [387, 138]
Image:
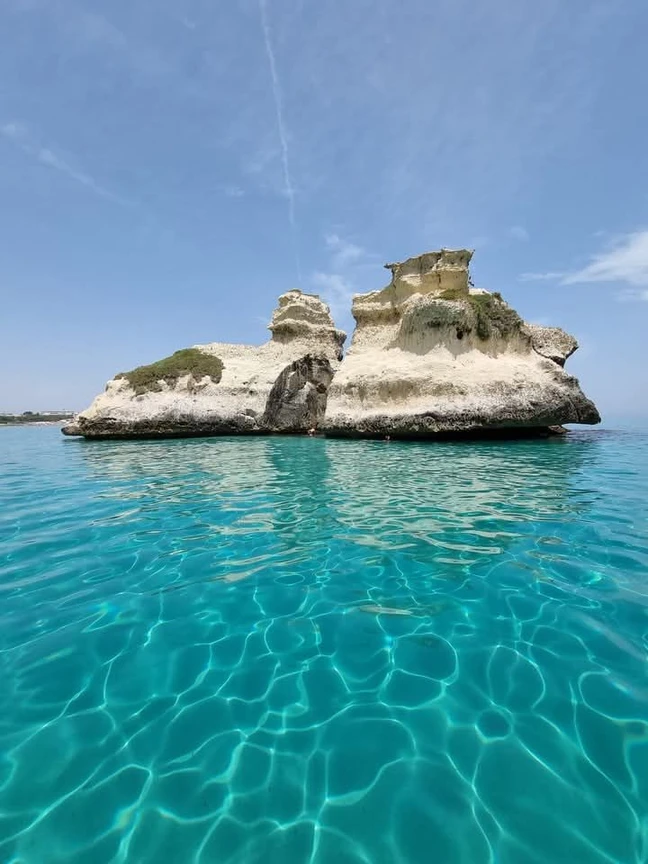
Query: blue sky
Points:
[167, 169]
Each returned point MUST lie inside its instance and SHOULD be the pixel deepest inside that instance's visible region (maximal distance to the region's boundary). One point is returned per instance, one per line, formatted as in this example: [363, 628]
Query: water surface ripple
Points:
[338, 652]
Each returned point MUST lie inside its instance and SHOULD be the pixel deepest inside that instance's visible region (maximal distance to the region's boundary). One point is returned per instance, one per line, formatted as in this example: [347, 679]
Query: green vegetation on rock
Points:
[492, 315]
[188, 361]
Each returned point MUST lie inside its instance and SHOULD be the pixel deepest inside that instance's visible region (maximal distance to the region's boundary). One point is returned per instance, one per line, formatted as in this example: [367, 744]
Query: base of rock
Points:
[180, 428]
[191, 429]
[506, 433]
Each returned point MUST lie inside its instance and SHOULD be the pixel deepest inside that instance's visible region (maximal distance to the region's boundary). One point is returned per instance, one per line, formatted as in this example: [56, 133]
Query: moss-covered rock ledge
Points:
[187, 361]
[491, 315]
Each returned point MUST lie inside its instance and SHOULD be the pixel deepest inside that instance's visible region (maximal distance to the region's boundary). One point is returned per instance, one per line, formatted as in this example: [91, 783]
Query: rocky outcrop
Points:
[551, 342]
[280, 386]
[431, 355]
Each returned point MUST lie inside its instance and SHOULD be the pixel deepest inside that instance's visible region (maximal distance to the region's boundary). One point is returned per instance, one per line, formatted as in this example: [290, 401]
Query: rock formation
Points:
[280, 386]
[431, 355]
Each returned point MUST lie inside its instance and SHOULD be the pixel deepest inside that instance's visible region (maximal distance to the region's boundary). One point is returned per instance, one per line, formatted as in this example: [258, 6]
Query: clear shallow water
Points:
[295, 650]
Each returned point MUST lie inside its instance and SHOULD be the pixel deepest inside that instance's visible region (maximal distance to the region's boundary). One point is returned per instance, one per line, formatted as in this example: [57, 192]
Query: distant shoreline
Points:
[34, 419]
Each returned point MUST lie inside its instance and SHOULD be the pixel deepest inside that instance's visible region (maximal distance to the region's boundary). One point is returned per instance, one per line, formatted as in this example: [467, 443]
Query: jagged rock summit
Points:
[431, 355]
[219, 388]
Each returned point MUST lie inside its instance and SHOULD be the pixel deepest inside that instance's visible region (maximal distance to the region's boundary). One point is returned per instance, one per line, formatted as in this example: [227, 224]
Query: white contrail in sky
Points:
[281, 128]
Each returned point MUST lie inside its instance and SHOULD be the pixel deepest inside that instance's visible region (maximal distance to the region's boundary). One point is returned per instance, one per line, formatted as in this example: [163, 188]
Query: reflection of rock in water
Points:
[456, 497]
[268, 496]
[417, 520]
[188, 467]
[302, 467]
[205, 507]
[446, 514]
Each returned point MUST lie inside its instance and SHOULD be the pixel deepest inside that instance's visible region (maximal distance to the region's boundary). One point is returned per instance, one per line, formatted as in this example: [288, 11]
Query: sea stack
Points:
[433, 356]
[221, 389]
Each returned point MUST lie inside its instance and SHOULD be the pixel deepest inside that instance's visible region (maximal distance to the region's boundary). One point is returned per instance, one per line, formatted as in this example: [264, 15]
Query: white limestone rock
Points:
[431, 355]
[278, 386]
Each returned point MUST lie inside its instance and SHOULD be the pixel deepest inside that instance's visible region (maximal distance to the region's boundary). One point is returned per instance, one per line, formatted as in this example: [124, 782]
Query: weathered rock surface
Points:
[551, 342]
[431, 355]
[280, 386]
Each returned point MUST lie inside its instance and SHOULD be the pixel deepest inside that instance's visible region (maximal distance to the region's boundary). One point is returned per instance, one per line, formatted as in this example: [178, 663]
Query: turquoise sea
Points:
[305, 651]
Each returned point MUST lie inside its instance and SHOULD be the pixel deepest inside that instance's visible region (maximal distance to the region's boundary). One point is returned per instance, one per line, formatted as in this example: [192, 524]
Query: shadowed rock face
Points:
[297, 401]
[431, 355]
[279, 386]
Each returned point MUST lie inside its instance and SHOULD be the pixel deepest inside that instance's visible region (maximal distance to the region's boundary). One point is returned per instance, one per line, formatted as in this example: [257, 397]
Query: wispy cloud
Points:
[18, 133]
[549, 276]
[336, 290]
[282, 131]
[233, 191]
[14, 130]
[90, 31]
[519, 232]
[337, 283]
[626, 261]
[95, 29]
[343, 252]
[632, 294]
[623, 262]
